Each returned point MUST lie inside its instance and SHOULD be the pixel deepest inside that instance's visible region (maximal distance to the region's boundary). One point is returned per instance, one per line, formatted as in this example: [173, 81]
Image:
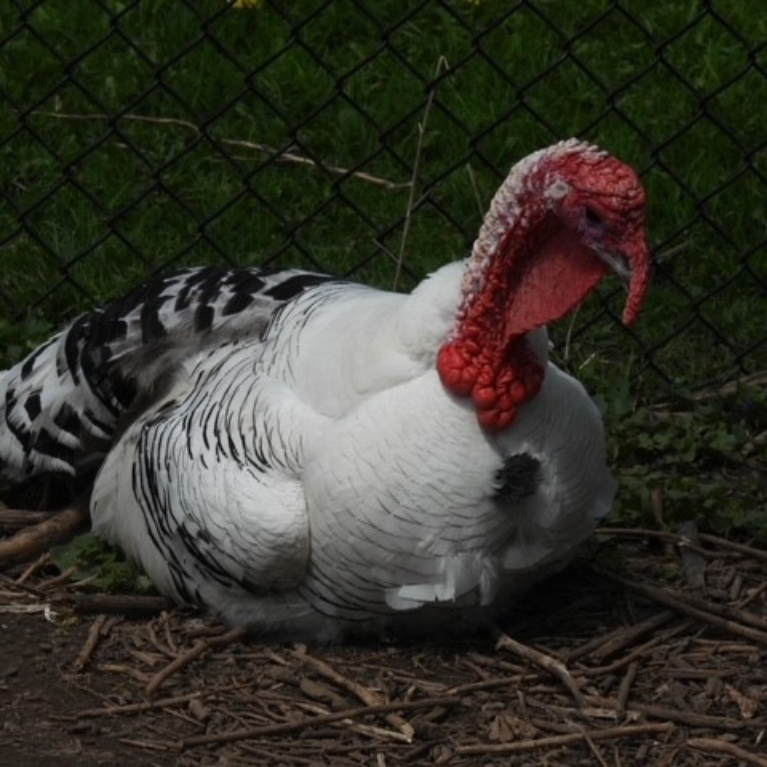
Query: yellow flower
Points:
[247, 3]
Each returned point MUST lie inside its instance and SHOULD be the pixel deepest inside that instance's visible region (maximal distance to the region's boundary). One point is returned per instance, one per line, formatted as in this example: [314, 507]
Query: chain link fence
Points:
[366, 139]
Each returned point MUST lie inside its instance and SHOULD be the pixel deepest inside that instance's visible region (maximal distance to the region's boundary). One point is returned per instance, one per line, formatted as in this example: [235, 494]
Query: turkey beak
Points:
[632, 266]
[618, 263]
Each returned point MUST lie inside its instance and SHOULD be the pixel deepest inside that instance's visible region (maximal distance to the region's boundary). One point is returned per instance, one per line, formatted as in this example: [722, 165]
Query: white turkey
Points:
[310, 457]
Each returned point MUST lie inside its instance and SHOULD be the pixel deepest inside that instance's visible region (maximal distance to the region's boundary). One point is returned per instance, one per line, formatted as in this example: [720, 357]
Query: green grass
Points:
[93, 200]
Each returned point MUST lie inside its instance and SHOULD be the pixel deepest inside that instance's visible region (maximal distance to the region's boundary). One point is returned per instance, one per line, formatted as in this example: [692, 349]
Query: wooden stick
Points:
[638, 652]
[625, 689]
[554, 741]
[366, 695]
[592, 747]
[713, 745]
[741, 548]
[680, 716]
[134, 605]
[38, 564]
[546, 662]
[14, 519]
[664, 535]
[279, 155]
[34, 540]
[714, 540]
[603, 646]
[138, 708]
[94, 635]
[337, 716]
[665, 597]
[199, 647]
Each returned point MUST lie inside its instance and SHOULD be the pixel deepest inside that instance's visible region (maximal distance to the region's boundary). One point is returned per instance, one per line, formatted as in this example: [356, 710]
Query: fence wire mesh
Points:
[366, 139]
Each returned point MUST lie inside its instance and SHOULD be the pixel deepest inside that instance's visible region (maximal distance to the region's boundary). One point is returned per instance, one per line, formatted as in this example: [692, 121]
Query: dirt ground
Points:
[663, 664]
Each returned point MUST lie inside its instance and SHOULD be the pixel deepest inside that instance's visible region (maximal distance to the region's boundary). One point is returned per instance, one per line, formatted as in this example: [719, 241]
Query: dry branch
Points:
[706, 615]
[133, 605]
[626, 683]
[741, 548]
[338, 716]
[277, 154]
[680, 716]
[602, 647]
[92, 640]
[555, 741]
[34, 540]
[546, 662]
[199, 647]
[364, 694]
[15, 519]
[715, 746]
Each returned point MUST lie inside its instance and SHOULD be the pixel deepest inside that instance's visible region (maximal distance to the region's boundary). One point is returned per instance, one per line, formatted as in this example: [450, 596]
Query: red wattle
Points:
[497, 387]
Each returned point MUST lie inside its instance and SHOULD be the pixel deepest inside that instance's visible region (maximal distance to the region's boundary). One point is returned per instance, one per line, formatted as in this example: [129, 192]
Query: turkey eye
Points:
[592, 217]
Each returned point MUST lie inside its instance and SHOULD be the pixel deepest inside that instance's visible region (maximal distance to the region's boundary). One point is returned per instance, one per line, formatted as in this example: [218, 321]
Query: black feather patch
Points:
[237, 303]
[518, 478]
[32, 405]
[287, 289]
[29, 364]
[68, 420]
[203, 317]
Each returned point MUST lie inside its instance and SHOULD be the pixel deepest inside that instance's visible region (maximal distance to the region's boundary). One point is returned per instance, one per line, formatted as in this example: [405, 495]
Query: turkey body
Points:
[304, 515]
[310, 457]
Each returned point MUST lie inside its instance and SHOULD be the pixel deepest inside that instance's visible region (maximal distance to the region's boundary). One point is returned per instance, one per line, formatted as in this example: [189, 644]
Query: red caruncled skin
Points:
[551, 234]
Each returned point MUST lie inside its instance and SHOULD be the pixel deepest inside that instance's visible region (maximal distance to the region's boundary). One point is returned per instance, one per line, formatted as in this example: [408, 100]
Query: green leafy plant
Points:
[102, 566]
[697, 457]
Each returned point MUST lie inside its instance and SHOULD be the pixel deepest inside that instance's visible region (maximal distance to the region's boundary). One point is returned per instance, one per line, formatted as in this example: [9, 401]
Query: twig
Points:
[34, 540]
[14, 519]
[752, 379]
[337, 716]
[41, 562]
[279, 155]
[592, 747]
[57, 580]
[672, 252]
[603, 646]
[441, 65]
[199, 647]
[368, 730]
[625, 689]
[638, 652]
[741, 548]
[19, 585]
[554, 741]
[94, 634]
[706, 615]
[755, 593]
[134, 605]
[366, 695]
[546, 662]
[715, 746]
[475, 190]
[150, 745]
[680, 540]
[679, 716]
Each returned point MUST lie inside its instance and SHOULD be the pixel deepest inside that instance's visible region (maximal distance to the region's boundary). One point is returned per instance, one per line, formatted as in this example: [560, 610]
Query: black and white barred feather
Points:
[62, 407]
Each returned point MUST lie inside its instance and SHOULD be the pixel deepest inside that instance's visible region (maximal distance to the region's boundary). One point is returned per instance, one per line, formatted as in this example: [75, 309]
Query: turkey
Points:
[311, 457]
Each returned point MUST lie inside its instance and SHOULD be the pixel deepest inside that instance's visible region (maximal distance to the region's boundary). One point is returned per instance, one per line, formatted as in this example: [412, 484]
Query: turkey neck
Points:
[488, 359]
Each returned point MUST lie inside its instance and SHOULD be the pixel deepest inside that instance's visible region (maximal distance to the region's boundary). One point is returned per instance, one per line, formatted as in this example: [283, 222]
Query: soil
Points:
[665, 664]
